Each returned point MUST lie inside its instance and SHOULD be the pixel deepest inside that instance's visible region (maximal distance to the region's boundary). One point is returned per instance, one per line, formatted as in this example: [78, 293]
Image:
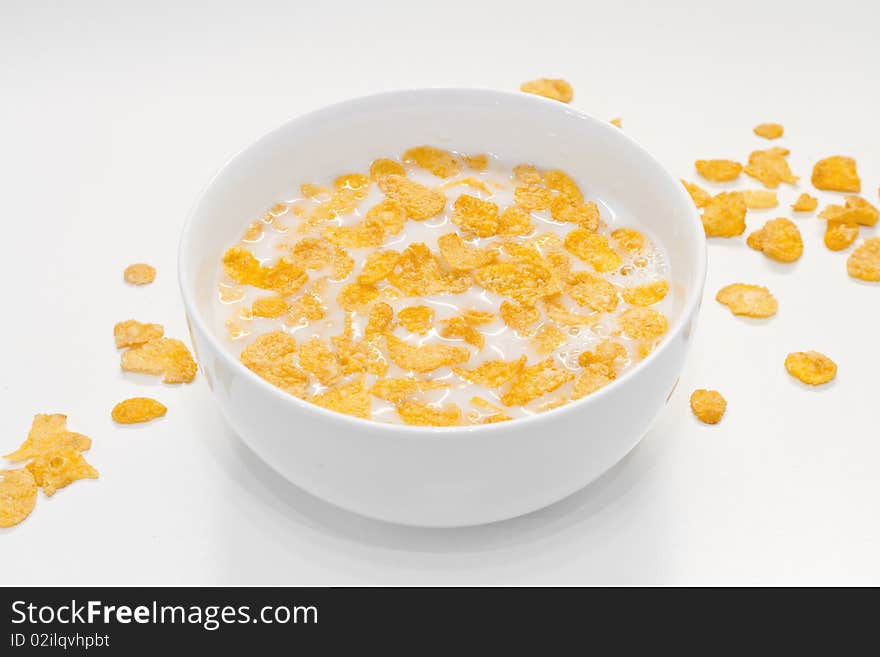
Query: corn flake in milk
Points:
[441, 289]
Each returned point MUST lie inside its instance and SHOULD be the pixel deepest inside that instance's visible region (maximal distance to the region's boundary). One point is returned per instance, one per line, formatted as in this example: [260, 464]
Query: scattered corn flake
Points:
[592, 291]
[377, 266]
[617, 121]
[836, 174]
[805, 203]
[424, 358]
[524, 282]
[532, 197]
[166, 356]
[313, 253]
[416, 319]
[645, 295]
[418, 414]
[390, 214]
[462, 256]
[364, 234]
[748, 300]
[561, 182]
[527, 174]
[855, 211]
[442, 164]
[593, 248]
[139, 274]
[231, 293]
[534, 381]
[398, 390]
[479, 162]
[270, 307]
[585, 215]
[271, 356]
[519, 317]
[770, 167]
[758, 199]
[284, 277]
[307, 308]
[310, 190]
[254, 232]
[631, 241]
[514, 221]
[56, 469]
[769, 130]
[592, 378]
[315, 358]
[548, 338]
[642, 323]
[137, 409]
[724, 215]
[48, 433]
[386, 167]
[132, 332]
[607, 352]
[475, 216]
[779, 240]
[350, 399]
[718, 170]
[18, 496]
[839, 236]
[459, 328]
[699, 195]
[354, 181]
[864, 262]
[355, 297]
[554, 89]
[811, 367]
[708, 406]
[418, 201]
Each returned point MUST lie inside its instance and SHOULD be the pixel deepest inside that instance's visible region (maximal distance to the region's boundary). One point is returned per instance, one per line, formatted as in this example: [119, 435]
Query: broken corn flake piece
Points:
[355, 297]
[475, 216]
[642, 323]
[724, 215]
[368, 233]
[354, 181]
[418, 414]
[805, 203]
[492, 373]
[398, 390]
[779, 239]
[718, 170]
[515, 222]
[811, 367]
[166, 356]
[864, 262]
[836, 174]
[748, 300]
[271, 356]
[385, 167]
[307, 308]
[418, 201]
[58, 468]
[533, 381]
[548, 338]
[139, 274]
[699, 195]
[48, 433]
[645, 295]
[390, 214]
[441, 163]
[349, 399]
[310, 190]
[770, 167]
[461, 256]
[460, 328]
[585, 215]
[592, 291]
[18, 496]
[759, 199]
[631, 241]
[552, 88]
[607, 351]
[377, 266]
[839, 236]
[132, 332]
[708, 406]
[315, 358]
[532, 197]
[594, 377]
[137, 409]
[592, 248]
[270, 307]
[528, 174]
[313, 253]
[519, 317]
[478, 162]
[616, 122]
[424, 358]
[769, 130]
[856, 210]
[561, 182]
[416, 319]
[284, 277]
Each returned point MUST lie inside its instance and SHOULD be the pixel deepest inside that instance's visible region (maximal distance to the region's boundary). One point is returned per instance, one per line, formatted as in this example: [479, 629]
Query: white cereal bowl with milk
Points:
[444, 476]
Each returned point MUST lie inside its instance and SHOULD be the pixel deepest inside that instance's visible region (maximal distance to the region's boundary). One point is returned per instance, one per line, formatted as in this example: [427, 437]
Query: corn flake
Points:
[561, 182]
[592, 291]
[479, 162]
[769, 130]
[461, 256]
[748, 300]
[270, 307]
[364, 234]
[355, 297]
[492, 373]
[548, 338]
[459, 327]
[350, 399]
[779, 240]
[810, 367]
[514, 221]
[519, 317]
[524, 282]
[805, 203]
[416, 319]
[284, 277]
[864, 262]
[631, 241]
[724, 215]
[377, 266]
[137, 409]
[390, 214]
[718, 170]
[271, 356]
[839, 236]
[534, 381]
[708, 406]
[554, 89]
[398, 390]
[855, 211]
[48, 433]
[424, 358]
[132, 332]
[759, 199]
[527, 174]
[585, 215]
[699, 195]
[645, 295]
[475, 216]
[308, 308]
[139, 274]
[642, 323]
[532, 197]
[18, 496]
[355, 181]
[418, 414]
[419, 202]
[442, 164]
[385, 167]
[836, 174]
[607, 352]
[770, 167]
[166, 356]
[593, 248]
[56, 469]
[593, 377]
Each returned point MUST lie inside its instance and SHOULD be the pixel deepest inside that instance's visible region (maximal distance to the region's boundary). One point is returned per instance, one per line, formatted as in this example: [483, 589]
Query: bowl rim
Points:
[350, 422]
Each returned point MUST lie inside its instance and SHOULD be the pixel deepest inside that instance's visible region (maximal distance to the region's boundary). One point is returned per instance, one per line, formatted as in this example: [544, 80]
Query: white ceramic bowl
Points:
[455, 476]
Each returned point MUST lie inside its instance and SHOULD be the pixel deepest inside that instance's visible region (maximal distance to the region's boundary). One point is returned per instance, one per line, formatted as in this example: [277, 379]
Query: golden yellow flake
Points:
[48, 433]
[805, 203]
[769, 130]
[864, 262]
[748, 300]
[836, 174]
[272, 357]
[418, 414]
[350, 399]
[132, 332]
[811, 367]
[18, 496]
[56, 469]
[166, 356]
[645, 295]
[419, 202]
[770, 167]
[724, 215]
[699, 195]
[718, 170]
[708, 406]
[779, 240]
[137, 409]
[423, 358]
[534, 381]
[552, 88]
[475, 216]
[439, 162]
[416, 319]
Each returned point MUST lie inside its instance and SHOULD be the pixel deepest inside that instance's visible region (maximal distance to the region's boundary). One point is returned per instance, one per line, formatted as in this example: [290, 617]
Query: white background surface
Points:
[112, 119]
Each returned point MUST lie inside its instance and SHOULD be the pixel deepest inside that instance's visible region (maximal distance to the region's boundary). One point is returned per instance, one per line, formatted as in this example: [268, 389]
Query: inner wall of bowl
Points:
[346, 137]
